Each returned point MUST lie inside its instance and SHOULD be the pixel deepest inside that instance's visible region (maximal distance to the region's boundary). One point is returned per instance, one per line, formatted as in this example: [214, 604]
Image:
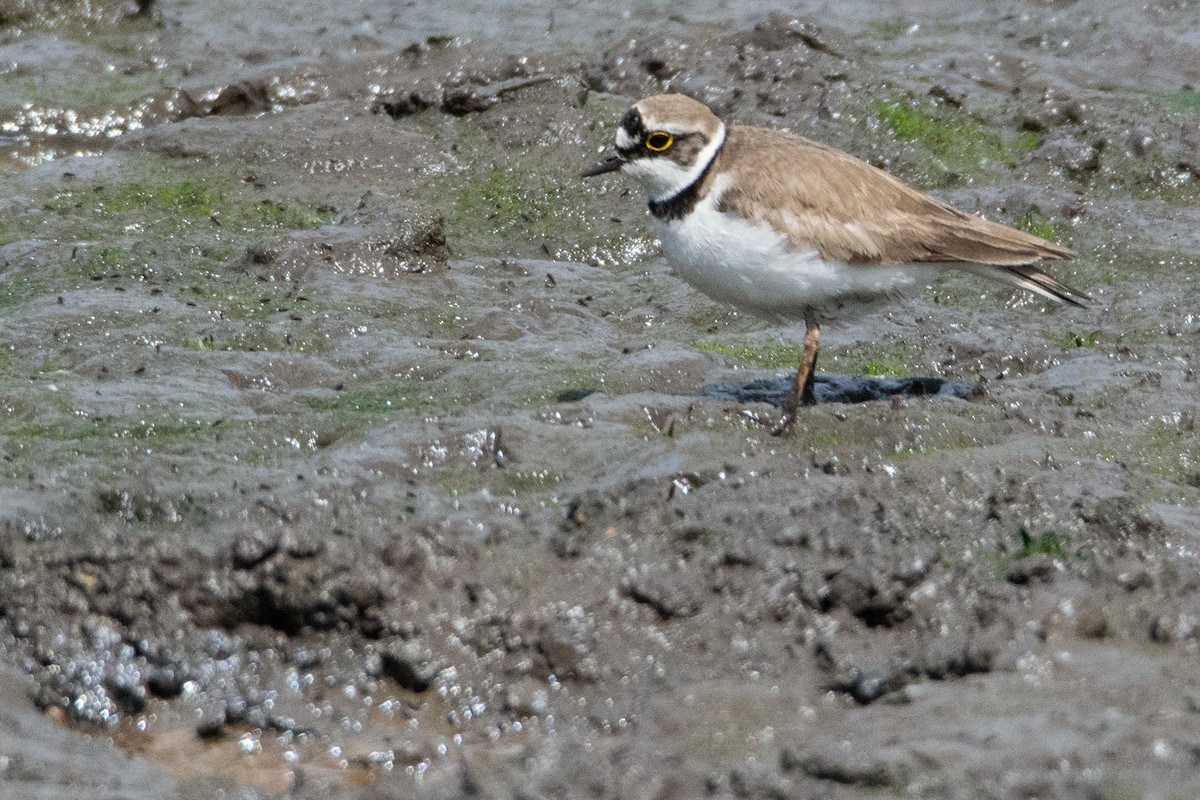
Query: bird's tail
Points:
[1031, 279]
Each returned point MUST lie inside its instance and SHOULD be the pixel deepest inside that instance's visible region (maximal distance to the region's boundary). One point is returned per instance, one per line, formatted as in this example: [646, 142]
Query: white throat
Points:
[664, 179]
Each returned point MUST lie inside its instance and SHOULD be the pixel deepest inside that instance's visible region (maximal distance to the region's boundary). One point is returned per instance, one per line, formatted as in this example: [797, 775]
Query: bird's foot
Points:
[786, 424]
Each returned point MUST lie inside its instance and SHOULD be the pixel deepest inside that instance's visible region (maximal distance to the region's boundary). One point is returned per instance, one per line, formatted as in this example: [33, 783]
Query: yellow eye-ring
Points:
[659, 141]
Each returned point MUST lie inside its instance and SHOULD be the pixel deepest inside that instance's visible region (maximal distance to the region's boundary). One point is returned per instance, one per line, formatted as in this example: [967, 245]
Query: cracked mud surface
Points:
[354, 448]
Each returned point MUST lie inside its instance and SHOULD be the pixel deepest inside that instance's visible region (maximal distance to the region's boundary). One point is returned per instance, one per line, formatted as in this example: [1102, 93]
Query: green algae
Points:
[73, 17]
[1046, 544]
[100, 262]
[958, 144]
[123, 444]
[253, 337]
[1070, 339]
[384, 398]
[1033, 221]
[873, 360]
[1161, 457]
[880, 359]
[879, 368]
[84, 92]
[1158, 175]
[1184, 100]
[569, 383]
[172, 201]
[496, 205]
[1165, 449]
[530, 203]
[500, 198]
[507, 485]
[73, 428]
[203, 343]
[1163, 183]
[774, 355]
[168, 228]
[1111, 261]
[919, 429]
[520, 210]
[1049, 543]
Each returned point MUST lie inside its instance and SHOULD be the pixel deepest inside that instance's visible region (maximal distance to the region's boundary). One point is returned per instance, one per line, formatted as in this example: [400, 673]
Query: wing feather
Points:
[852, 212]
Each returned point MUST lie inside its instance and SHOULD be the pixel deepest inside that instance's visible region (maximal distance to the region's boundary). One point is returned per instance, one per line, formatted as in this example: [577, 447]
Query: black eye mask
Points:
[633, 125]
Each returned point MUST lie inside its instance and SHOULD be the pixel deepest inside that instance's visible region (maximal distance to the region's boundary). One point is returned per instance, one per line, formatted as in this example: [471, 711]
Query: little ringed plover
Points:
[786, 228]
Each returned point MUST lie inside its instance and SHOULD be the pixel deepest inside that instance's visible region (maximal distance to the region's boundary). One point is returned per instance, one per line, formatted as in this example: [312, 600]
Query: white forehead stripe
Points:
[624, 140]
[675, 129]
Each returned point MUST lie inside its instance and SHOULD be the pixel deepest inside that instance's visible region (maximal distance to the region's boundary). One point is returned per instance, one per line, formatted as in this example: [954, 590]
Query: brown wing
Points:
[851, 212]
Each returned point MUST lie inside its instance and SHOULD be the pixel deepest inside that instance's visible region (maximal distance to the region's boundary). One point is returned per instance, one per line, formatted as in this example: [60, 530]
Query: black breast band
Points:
[681, 203]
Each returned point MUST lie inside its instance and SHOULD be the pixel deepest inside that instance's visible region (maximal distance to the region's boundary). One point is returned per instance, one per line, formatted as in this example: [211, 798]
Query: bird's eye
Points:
[659, 141]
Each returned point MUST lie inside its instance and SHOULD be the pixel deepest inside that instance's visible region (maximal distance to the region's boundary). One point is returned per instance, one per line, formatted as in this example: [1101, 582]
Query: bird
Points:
[786, 228]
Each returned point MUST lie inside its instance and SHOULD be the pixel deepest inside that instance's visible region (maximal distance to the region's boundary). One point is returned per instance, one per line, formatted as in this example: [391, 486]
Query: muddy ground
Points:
[353, 447]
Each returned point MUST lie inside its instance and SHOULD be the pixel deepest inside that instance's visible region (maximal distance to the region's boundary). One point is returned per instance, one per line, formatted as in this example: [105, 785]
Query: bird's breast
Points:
[761, 271]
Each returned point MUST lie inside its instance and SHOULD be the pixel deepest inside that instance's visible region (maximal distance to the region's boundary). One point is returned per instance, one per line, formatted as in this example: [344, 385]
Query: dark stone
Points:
[671, 596]
[853, 767]
[837, 389]
[867, 596]
[253, 548]
[246, 97]
[399, 107]
[1039, 568]
[164, 682]
[211, 727]
[410, 666]
[1069, 154]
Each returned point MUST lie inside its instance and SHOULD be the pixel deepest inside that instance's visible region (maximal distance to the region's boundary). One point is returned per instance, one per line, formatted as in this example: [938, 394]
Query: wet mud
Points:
[354, 447]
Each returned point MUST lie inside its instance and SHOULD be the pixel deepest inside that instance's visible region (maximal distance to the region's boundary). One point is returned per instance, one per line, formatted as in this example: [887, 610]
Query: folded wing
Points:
[851, 212]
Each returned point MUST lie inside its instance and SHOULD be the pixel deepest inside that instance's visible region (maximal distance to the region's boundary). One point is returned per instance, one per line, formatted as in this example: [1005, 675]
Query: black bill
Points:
[611, 164]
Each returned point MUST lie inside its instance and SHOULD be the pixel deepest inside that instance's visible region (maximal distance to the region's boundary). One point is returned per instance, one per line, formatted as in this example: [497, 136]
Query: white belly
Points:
[759, 271]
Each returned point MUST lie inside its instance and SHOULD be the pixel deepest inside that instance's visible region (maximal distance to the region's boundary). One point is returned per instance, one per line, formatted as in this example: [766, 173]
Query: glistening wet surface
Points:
[354, 447]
